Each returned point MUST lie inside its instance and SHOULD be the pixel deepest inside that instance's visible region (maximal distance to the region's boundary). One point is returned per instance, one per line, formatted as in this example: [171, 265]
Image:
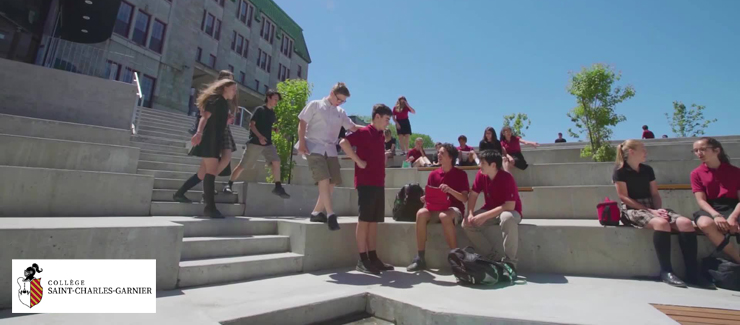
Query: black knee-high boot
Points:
[209, 183]
[662, 242]
[687, 241]
[179, 196]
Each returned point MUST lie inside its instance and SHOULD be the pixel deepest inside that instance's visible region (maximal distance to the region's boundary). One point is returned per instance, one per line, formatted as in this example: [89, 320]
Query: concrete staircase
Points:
[233, 249]
[164, 139]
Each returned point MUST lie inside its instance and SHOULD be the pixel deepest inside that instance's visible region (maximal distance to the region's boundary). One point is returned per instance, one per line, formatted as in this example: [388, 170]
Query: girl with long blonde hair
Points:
[212, 141]
[642, 207]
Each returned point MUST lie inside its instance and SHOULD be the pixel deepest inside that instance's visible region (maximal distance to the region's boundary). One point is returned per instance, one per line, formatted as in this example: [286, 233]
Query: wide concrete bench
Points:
[50, 129]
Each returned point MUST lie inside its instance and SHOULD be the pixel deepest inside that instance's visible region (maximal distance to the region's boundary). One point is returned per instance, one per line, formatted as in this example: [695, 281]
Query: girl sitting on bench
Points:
[716, 186]
[642, 207]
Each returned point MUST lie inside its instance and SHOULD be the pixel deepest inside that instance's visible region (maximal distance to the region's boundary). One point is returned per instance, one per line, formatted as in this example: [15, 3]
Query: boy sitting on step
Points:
[370, 183]
[503, 207]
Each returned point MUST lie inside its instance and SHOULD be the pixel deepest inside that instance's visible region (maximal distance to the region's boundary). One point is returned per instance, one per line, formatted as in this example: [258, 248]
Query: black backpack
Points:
[470, 268]
[408, 203]
[724, 273]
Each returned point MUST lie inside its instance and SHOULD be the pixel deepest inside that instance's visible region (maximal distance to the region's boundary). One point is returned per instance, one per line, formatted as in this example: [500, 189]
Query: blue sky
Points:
[464, 64]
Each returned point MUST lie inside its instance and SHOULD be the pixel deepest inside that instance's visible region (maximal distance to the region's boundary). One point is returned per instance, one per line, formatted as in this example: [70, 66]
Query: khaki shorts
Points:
[324, 167]
[250, 156]
[435, 215]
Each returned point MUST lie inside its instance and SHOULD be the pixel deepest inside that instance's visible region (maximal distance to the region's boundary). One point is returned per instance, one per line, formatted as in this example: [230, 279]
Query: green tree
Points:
[294, 93]
[521, 123]
[428, 142]
[688, 122]
[594, 113]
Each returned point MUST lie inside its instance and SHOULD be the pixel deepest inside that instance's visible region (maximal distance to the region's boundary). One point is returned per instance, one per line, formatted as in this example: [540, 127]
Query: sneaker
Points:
[178, 197]
[332, 222]
[381, 266]
[280, 191]
[367, 267]
[228, 189]
[318, 217]
[417, 265]
[672, 279]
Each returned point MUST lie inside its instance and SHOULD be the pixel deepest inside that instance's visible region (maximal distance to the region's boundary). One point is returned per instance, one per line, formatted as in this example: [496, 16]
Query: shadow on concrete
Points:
[545, 278]
[169, 293]
[8, 313]
[392, 279]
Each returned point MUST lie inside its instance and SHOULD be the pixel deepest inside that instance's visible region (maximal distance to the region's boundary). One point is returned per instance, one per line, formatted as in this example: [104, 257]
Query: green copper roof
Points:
[285, 24]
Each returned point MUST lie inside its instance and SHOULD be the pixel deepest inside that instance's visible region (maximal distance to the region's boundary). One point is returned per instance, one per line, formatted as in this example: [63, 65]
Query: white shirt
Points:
[324, 121]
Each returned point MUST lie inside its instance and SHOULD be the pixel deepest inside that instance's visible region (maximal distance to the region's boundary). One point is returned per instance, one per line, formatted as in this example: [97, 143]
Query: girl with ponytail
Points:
[641, 207]
[716, 187]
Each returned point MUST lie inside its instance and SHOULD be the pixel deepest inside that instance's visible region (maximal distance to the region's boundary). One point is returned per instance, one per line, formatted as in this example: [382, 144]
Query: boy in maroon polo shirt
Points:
[454, 182]
[370, 183]
[467, 153]
[503, 207]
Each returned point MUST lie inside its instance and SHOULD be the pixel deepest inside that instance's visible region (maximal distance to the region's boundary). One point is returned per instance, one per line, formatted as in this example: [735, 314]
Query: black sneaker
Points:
[318, 217]
[367, 267]
[228, 189]
[280, 191]
[672, 279]
[332, 222]
[178, 197]
[417, 265]
[213, 213]
[381, 266]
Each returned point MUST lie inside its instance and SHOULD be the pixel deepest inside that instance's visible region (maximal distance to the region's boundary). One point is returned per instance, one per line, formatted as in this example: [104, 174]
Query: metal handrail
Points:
[139, 99]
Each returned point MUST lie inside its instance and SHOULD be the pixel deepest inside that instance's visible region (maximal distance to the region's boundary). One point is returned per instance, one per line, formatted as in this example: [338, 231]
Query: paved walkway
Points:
[544, 298]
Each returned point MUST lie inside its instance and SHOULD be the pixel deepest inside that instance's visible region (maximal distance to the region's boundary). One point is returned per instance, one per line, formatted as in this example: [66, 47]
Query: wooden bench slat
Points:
[697, 309]
[701, 314]
[683, 319]
[674, 186]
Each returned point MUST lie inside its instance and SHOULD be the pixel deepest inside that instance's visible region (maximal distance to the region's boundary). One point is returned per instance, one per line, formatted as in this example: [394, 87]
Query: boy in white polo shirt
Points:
[320, 122]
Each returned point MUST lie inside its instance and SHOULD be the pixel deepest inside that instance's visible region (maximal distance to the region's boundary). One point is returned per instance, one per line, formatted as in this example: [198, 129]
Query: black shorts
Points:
[722, 206]
[519, 161]
[371, 200]
[405, 126]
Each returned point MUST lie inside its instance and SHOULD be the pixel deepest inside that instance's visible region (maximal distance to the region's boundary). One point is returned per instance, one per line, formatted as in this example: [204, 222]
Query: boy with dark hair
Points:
[318, 127]
[260, 142]
[370, 183]
[647, 134]
[503, 207]
[467, 153]
[453, 182]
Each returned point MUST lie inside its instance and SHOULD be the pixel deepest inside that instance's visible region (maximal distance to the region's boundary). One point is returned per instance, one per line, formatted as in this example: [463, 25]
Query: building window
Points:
[286, 46]
[208, 23]
[123, 20]
[156, 41]
[266, 89]
[112, 70]
[198, 55]
[147, 89]
[141, 28]
[245, 12]
[268, 30]
[233, 41]
[242, 77]
[300, 71]
[212, 61]
[128, 75]
[217, 32]
[239, 44]
[231, 68]
[281, 72]
[256, 85]
[264, 61]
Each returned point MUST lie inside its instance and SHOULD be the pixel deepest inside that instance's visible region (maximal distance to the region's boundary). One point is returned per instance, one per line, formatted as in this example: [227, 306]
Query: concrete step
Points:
[150, 156]
[193, 209]
[181, 176]
[185, 136]
[174, 184]
[195, 248]
[156, 148]
[165, 195]
[158, 141]
[231, 269]
[166, 117]
[182, 124]
[167, 166]
[169, 130]
[238, 226]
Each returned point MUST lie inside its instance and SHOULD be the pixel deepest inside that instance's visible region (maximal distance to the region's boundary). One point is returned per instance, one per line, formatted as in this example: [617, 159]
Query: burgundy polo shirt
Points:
[498, 190]
[370, 144]
[402, 115]
[457, 179]
[722, 182]
[512, 146]
[414, 153]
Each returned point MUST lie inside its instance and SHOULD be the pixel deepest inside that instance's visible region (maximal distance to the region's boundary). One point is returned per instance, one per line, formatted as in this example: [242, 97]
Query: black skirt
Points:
[216, 134]
[723, 206]
[519, 161]
[405, 126]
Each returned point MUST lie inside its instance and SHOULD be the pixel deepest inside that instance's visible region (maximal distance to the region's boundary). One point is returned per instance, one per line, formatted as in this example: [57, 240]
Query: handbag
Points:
[436, 200]
[608, 213]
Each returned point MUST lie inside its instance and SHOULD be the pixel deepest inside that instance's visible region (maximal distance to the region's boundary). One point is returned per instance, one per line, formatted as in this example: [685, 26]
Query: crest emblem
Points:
[30, 291]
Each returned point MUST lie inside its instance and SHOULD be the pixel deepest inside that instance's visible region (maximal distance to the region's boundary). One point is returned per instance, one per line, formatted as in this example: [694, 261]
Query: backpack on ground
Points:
[724, 273]
[470, 268]
[609, 213]
[408, 202]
